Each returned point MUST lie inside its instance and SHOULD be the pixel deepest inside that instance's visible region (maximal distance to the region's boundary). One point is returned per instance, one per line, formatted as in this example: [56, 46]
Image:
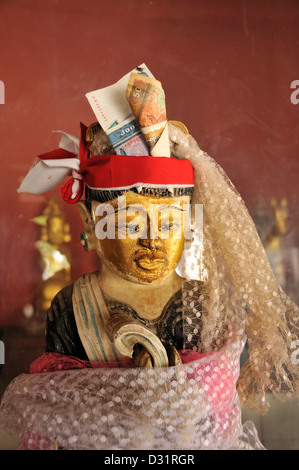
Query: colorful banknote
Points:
[116, 118]
[147, 101]
[127, 139]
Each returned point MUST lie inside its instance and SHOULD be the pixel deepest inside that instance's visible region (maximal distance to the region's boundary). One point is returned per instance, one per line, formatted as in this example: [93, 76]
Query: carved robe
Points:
[77, 320]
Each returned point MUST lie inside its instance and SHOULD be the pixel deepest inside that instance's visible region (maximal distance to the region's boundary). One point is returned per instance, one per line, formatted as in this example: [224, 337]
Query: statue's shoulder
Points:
[61, 328]
[62, 303]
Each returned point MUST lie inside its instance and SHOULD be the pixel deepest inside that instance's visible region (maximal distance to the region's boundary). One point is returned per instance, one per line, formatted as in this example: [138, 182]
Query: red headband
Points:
[122, 172]
[103, 172]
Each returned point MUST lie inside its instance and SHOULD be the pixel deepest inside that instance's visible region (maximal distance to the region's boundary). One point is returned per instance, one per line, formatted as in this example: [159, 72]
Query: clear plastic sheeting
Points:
[190, 406]
[240, 296]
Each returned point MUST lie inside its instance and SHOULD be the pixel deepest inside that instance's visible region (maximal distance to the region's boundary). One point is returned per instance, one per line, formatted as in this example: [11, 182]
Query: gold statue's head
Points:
[55, 229]
[140, 236]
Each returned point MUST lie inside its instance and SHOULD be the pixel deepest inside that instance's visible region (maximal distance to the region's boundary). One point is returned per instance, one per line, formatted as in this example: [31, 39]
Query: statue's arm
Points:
[61, 331]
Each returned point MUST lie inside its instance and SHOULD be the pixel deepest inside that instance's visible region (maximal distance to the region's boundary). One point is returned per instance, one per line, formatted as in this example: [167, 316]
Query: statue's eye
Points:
[169, 227]
[121, 228]
[128, 228]
[166, 227]
[133, 228]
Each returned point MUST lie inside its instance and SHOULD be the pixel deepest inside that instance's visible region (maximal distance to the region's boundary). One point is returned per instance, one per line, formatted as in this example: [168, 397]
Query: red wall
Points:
[226, 67]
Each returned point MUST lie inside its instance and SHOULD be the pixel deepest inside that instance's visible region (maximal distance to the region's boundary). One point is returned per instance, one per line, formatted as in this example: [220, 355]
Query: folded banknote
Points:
[147, 101]
[116, 118]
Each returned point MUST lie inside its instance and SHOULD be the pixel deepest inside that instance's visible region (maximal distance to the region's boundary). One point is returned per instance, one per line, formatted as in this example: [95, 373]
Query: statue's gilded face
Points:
[141, 237]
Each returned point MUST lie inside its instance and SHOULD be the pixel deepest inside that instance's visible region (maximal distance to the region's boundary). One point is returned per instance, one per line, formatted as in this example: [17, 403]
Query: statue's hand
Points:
[142, 358]
[173, 356]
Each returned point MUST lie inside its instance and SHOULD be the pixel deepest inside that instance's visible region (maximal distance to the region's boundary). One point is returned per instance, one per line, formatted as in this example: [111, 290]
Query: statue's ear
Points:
[88, 222]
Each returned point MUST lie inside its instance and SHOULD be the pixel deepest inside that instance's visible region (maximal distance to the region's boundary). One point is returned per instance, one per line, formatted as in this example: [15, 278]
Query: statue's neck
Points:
[148, 300]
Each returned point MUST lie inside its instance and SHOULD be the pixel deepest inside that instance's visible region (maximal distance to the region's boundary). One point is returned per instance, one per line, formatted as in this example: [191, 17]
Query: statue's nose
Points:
[150, 239]
[151, 243]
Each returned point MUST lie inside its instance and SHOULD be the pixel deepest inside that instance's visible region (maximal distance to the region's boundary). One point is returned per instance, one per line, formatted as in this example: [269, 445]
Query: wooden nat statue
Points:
[132, 307]
[172, 343]
[150, 358]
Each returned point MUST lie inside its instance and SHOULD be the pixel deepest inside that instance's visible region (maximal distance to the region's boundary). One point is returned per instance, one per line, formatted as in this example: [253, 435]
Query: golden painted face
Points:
[144, 236]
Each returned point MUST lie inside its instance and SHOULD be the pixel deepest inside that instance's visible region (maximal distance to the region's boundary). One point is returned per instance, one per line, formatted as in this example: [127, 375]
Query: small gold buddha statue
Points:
[54, 254]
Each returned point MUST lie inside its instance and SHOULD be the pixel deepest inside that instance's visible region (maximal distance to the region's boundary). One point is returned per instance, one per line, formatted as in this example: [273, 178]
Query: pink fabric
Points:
[220, 385]
[51, 362]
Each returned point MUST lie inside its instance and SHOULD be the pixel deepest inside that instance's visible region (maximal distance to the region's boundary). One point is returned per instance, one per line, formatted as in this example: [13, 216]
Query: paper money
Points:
[127, 139]
[147, 101]
[116, 118]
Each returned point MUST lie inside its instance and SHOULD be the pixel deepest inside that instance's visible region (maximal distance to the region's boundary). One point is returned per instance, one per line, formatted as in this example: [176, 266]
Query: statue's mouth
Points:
[149, 260]
[149, 264]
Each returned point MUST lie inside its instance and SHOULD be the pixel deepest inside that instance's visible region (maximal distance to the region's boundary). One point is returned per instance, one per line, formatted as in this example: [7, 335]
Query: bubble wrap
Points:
[190, 406]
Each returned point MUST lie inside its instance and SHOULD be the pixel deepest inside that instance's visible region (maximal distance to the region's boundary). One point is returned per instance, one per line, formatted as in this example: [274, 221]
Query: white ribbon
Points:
[76, 184]
[76, 175]
[69, 142]
[46, 174]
